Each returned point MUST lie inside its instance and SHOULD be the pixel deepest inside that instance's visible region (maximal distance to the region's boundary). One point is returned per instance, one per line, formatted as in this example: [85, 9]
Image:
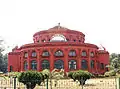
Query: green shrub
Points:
[110, 73]
[31, 78]
[80, 75]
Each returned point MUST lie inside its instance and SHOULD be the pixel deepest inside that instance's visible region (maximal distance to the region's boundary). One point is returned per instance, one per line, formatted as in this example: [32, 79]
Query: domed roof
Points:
[58, 29]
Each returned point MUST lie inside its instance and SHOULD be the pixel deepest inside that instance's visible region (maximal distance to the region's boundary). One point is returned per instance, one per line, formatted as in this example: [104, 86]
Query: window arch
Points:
[72, 53]
[45, 54]
[72, 64]
[33, 65]
[92, 54]
[25, 54]
[92, 63]
[34, 54]
[84, 64]
[59, 64]
[45, 64]
[58, 53]
[25, 65]
[84, 53]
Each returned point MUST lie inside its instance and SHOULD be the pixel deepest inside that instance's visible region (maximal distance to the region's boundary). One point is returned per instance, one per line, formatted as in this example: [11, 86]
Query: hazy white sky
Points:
[99, 20]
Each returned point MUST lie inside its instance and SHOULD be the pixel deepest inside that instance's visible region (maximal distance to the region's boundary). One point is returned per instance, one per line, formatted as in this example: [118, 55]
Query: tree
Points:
[54, 74]
[31, 78]
[3, 58]
[80, 75]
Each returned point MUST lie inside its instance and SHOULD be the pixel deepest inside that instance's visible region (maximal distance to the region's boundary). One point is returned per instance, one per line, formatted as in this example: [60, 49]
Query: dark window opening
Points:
[72, 53]
[45, 64]
[33, 65]
[84, 64]
[72, 64]
[59, 64]
[45, 54]
[92, 63]
[58, 53]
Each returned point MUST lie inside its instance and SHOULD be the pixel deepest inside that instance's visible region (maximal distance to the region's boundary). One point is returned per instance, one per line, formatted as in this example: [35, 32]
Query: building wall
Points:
[13, 61]
[102, 58]
[74, 40]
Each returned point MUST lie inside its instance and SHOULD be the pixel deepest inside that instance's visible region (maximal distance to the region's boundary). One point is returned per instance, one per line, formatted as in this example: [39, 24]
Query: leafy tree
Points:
[80, 75]
[54, 74]
[3, 58]
[31, 78]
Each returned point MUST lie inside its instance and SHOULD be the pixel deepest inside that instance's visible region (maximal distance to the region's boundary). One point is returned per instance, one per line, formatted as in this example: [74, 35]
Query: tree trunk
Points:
[30, 86]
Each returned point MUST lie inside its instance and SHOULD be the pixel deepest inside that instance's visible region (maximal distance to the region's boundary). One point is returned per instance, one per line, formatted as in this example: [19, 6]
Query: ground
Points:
[99, 83]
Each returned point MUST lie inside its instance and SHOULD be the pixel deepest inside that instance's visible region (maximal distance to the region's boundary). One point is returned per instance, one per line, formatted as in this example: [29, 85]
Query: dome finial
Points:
[58, 25]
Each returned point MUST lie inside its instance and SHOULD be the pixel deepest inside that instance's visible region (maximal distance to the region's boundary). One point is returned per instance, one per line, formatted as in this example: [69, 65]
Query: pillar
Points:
[51, 51]
[66, 69]
[89, 58]
[38, 59]
[78, 54]
[28, 59]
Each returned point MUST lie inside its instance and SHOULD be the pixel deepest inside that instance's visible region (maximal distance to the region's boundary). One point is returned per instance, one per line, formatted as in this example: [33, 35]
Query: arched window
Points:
[92, 63]
[84, 54]
[33, 65]
[25, 65]
[92, 54]
[84, 64]
[72, 64]
[45, 64]
[101, 66]
[34, 54]
[25, 54]
[58, 53]
[45, 54]
[59, 64]
[72, 53]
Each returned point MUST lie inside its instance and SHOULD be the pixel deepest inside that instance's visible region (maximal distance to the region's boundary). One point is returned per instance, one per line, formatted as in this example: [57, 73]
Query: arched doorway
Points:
[59, 64]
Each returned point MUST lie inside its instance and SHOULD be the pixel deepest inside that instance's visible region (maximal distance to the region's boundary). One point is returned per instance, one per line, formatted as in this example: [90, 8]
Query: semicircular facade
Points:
[60, 48]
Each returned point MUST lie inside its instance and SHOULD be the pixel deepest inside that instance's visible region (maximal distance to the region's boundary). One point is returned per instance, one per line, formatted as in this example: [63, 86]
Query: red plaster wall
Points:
[13, 60]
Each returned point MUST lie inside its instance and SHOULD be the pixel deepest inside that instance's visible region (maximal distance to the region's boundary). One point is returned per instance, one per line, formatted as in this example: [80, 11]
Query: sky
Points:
[99, 20]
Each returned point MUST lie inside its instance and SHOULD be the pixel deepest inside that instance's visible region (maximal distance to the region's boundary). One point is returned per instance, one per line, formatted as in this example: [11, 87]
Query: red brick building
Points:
[60, 48]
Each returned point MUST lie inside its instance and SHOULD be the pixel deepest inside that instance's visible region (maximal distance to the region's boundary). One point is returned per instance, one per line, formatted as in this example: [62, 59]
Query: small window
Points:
[72, 53]
[58, 53]
[38, 41]
[72, 64]
[45, 64]
[34, 54]
[25, 54]
[59, 64]
[43, 41]
[25, 65]
[101, 66]
[67, 39]
[92, 63]
[79, 41]
[84, 64]
[92, 54]
[84, 54]
[45, 54]
[33, 65]
[74, 40]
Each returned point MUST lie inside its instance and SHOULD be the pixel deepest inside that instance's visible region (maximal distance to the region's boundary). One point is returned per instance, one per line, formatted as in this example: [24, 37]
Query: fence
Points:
[99, 83]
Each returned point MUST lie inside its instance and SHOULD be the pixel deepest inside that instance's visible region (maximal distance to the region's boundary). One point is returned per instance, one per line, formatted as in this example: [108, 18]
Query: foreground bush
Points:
[80, 75]
[110, 73]
[31, 78]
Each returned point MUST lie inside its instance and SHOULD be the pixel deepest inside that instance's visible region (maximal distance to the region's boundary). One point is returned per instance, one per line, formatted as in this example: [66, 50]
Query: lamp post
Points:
[14, 82]
[47, 84]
